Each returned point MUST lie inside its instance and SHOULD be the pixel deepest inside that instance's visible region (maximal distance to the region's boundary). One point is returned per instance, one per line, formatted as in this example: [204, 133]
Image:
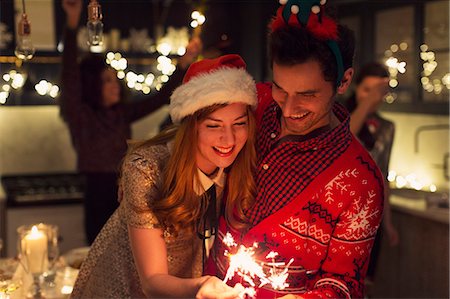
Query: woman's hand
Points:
[193, 49]
[72, 8]
[214, 288]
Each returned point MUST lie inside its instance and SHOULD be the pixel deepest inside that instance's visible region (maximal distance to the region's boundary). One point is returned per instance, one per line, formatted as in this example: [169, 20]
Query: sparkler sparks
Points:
[243, 264]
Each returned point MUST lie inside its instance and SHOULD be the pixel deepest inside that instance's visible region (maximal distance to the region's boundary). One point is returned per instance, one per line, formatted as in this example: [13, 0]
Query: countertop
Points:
[418, 206]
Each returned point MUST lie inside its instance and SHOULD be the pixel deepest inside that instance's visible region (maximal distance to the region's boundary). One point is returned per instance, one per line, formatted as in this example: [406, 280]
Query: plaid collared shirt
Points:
[287, 166]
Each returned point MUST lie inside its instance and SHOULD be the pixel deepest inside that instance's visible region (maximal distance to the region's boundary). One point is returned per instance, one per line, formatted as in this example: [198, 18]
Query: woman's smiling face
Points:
[221, 136]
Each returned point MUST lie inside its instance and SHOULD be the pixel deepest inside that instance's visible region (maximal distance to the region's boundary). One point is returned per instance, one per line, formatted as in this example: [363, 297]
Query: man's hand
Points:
[72, 8]
[193, 49]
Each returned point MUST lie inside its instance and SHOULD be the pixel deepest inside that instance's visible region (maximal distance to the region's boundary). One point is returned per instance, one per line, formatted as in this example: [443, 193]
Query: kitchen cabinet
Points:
[68, 218]
[45, 198]
[419, 266]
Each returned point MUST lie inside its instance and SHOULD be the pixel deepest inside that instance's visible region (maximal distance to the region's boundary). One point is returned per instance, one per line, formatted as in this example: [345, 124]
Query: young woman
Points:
[99, 119]
[155, 243]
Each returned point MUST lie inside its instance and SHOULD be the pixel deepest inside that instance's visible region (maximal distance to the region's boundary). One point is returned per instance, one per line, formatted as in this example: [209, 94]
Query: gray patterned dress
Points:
[109, 270]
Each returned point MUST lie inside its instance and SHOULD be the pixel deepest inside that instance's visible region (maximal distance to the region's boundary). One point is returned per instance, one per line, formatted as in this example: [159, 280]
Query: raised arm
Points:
[142, 108]
[70, 98]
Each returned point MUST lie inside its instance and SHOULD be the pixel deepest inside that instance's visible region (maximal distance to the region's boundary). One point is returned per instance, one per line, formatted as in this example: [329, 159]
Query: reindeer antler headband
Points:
[309, 14]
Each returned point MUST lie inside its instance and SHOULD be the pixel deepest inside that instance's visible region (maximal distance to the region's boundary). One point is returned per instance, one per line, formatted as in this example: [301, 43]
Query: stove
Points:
[38, 189]
[55, 198]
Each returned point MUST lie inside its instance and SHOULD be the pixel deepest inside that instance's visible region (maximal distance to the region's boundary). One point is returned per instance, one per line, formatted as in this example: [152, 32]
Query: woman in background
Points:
[156, 242]
[93, 105]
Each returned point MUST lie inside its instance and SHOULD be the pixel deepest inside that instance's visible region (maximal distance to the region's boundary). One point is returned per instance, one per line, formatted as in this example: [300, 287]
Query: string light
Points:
[94, 24]
[429, 66]
[411, 181]
[24, 48]
[197, 19]
[395, 66]
[46, 88]
[173, 43]
[14, 80]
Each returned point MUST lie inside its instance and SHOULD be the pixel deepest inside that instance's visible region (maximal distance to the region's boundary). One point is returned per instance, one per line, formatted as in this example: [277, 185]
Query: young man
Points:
[319, 193]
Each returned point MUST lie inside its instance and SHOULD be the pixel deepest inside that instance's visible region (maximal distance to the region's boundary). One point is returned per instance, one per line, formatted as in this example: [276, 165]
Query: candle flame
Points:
[34, 229]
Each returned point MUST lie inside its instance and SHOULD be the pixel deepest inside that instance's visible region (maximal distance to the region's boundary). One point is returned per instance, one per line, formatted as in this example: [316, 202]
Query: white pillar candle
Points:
[35, 245]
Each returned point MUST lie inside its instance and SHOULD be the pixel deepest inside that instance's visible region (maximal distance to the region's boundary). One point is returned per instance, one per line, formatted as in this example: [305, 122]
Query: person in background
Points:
[319, 195]
[377, 135]
[92, 103]
[156, 242]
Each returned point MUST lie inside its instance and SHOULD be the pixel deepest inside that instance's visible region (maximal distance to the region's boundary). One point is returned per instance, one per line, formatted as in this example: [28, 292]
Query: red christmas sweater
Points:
[319, 202]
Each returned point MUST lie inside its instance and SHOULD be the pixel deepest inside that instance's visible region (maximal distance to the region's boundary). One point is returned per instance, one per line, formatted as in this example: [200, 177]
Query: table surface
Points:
[57, 286]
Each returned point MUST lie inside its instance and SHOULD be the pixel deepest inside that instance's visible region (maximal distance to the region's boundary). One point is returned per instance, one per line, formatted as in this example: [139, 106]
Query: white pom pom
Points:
[295, 9]
[283, 2]
[323, 2]
[315, 9]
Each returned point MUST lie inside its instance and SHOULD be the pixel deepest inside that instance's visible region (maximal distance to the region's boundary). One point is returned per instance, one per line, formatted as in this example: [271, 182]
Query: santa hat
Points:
[207, 82]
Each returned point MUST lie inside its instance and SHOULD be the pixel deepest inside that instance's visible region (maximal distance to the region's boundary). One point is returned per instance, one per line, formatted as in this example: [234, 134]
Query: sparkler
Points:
[243, 264]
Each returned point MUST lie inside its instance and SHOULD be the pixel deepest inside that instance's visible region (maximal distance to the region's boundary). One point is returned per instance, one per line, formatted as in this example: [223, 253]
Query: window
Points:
[412, 38]
[435, 77]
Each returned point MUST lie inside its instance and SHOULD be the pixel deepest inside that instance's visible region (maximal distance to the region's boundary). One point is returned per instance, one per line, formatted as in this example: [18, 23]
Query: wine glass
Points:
[38, 248]
[49, 274]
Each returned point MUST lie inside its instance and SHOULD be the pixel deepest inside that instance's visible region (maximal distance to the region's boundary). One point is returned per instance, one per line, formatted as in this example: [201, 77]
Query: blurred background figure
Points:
[377, 135]
[93, 105]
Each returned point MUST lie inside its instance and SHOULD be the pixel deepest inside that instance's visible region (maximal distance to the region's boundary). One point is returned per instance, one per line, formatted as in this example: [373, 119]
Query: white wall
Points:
[427, 162]
[34, 139]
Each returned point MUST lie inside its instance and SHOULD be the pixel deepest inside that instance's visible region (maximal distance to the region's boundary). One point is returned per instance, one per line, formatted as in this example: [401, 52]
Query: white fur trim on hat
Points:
[224, 85]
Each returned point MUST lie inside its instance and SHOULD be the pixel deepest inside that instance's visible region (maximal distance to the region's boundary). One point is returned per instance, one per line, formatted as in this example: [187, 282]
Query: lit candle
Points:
[35, 247]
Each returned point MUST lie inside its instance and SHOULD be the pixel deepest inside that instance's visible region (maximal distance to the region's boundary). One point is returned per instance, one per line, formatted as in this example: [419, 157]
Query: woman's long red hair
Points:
[179, 208]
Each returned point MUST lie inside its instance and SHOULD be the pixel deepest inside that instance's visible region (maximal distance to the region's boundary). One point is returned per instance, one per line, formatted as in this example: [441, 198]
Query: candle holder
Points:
[38, 252]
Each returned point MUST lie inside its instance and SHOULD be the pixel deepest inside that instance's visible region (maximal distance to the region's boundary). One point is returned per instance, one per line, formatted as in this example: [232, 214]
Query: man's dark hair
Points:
[372, 69]
[292, 45]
